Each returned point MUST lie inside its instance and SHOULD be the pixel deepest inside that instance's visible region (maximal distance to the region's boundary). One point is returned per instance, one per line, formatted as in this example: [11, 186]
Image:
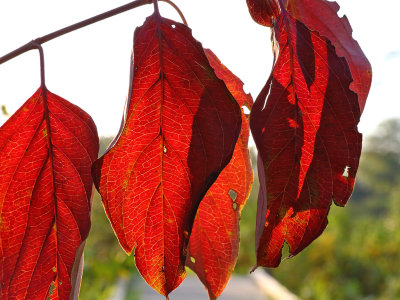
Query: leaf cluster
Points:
[174, 180]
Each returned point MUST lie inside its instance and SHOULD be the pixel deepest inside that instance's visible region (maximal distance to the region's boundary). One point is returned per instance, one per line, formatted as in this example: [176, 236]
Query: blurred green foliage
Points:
[4, 110]
[358, 255]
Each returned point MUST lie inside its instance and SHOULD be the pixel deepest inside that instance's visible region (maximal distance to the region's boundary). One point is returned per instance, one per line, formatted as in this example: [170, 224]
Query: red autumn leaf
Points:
[263, 12]
[307, 137]
[232, 82]
[214, 243]
[46, 150]
[321, 16]
[180, 132]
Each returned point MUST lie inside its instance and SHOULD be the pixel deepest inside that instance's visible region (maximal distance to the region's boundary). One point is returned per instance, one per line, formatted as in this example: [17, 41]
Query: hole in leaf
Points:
[173, 26]
[232, 194]
[246, 110]
[192, 259]
[285, 251]
[346, 172]
[165, 149]
[234, 206]
[51, 290]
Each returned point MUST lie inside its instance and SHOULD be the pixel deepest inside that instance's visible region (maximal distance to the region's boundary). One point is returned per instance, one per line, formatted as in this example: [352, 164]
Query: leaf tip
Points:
[254, 268]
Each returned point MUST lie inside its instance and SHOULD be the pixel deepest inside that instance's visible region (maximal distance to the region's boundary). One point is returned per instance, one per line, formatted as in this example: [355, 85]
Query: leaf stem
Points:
[33, 44]
[177, 9]
[42, 71]
[156, 10]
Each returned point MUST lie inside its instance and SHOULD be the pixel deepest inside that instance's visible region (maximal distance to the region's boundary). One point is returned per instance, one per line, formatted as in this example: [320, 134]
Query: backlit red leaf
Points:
[214, 243]
[46, 150]
[232, 82]
[321, 16]
[307, 138]
[180, 132]
[263, 12]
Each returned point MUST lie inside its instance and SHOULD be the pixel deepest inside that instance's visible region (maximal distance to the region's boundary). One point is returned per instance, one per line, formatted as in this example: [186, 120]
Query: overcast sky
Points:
[90, 67]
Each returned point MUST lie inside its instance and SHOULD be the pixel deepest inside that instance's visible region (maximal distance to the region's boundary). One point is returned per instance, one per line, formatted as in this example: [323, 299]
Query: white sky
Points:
[90, 67]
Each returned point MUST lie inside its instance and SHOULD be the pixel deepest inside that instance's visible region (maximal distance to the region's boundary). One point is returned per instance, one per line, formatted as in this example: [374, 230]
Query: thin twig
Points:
[33, 44]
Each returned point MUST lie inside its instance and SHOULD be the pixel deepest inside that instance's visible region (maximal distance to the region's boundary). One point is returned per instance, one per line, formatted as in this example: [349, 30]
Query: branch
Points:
[34, 44]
